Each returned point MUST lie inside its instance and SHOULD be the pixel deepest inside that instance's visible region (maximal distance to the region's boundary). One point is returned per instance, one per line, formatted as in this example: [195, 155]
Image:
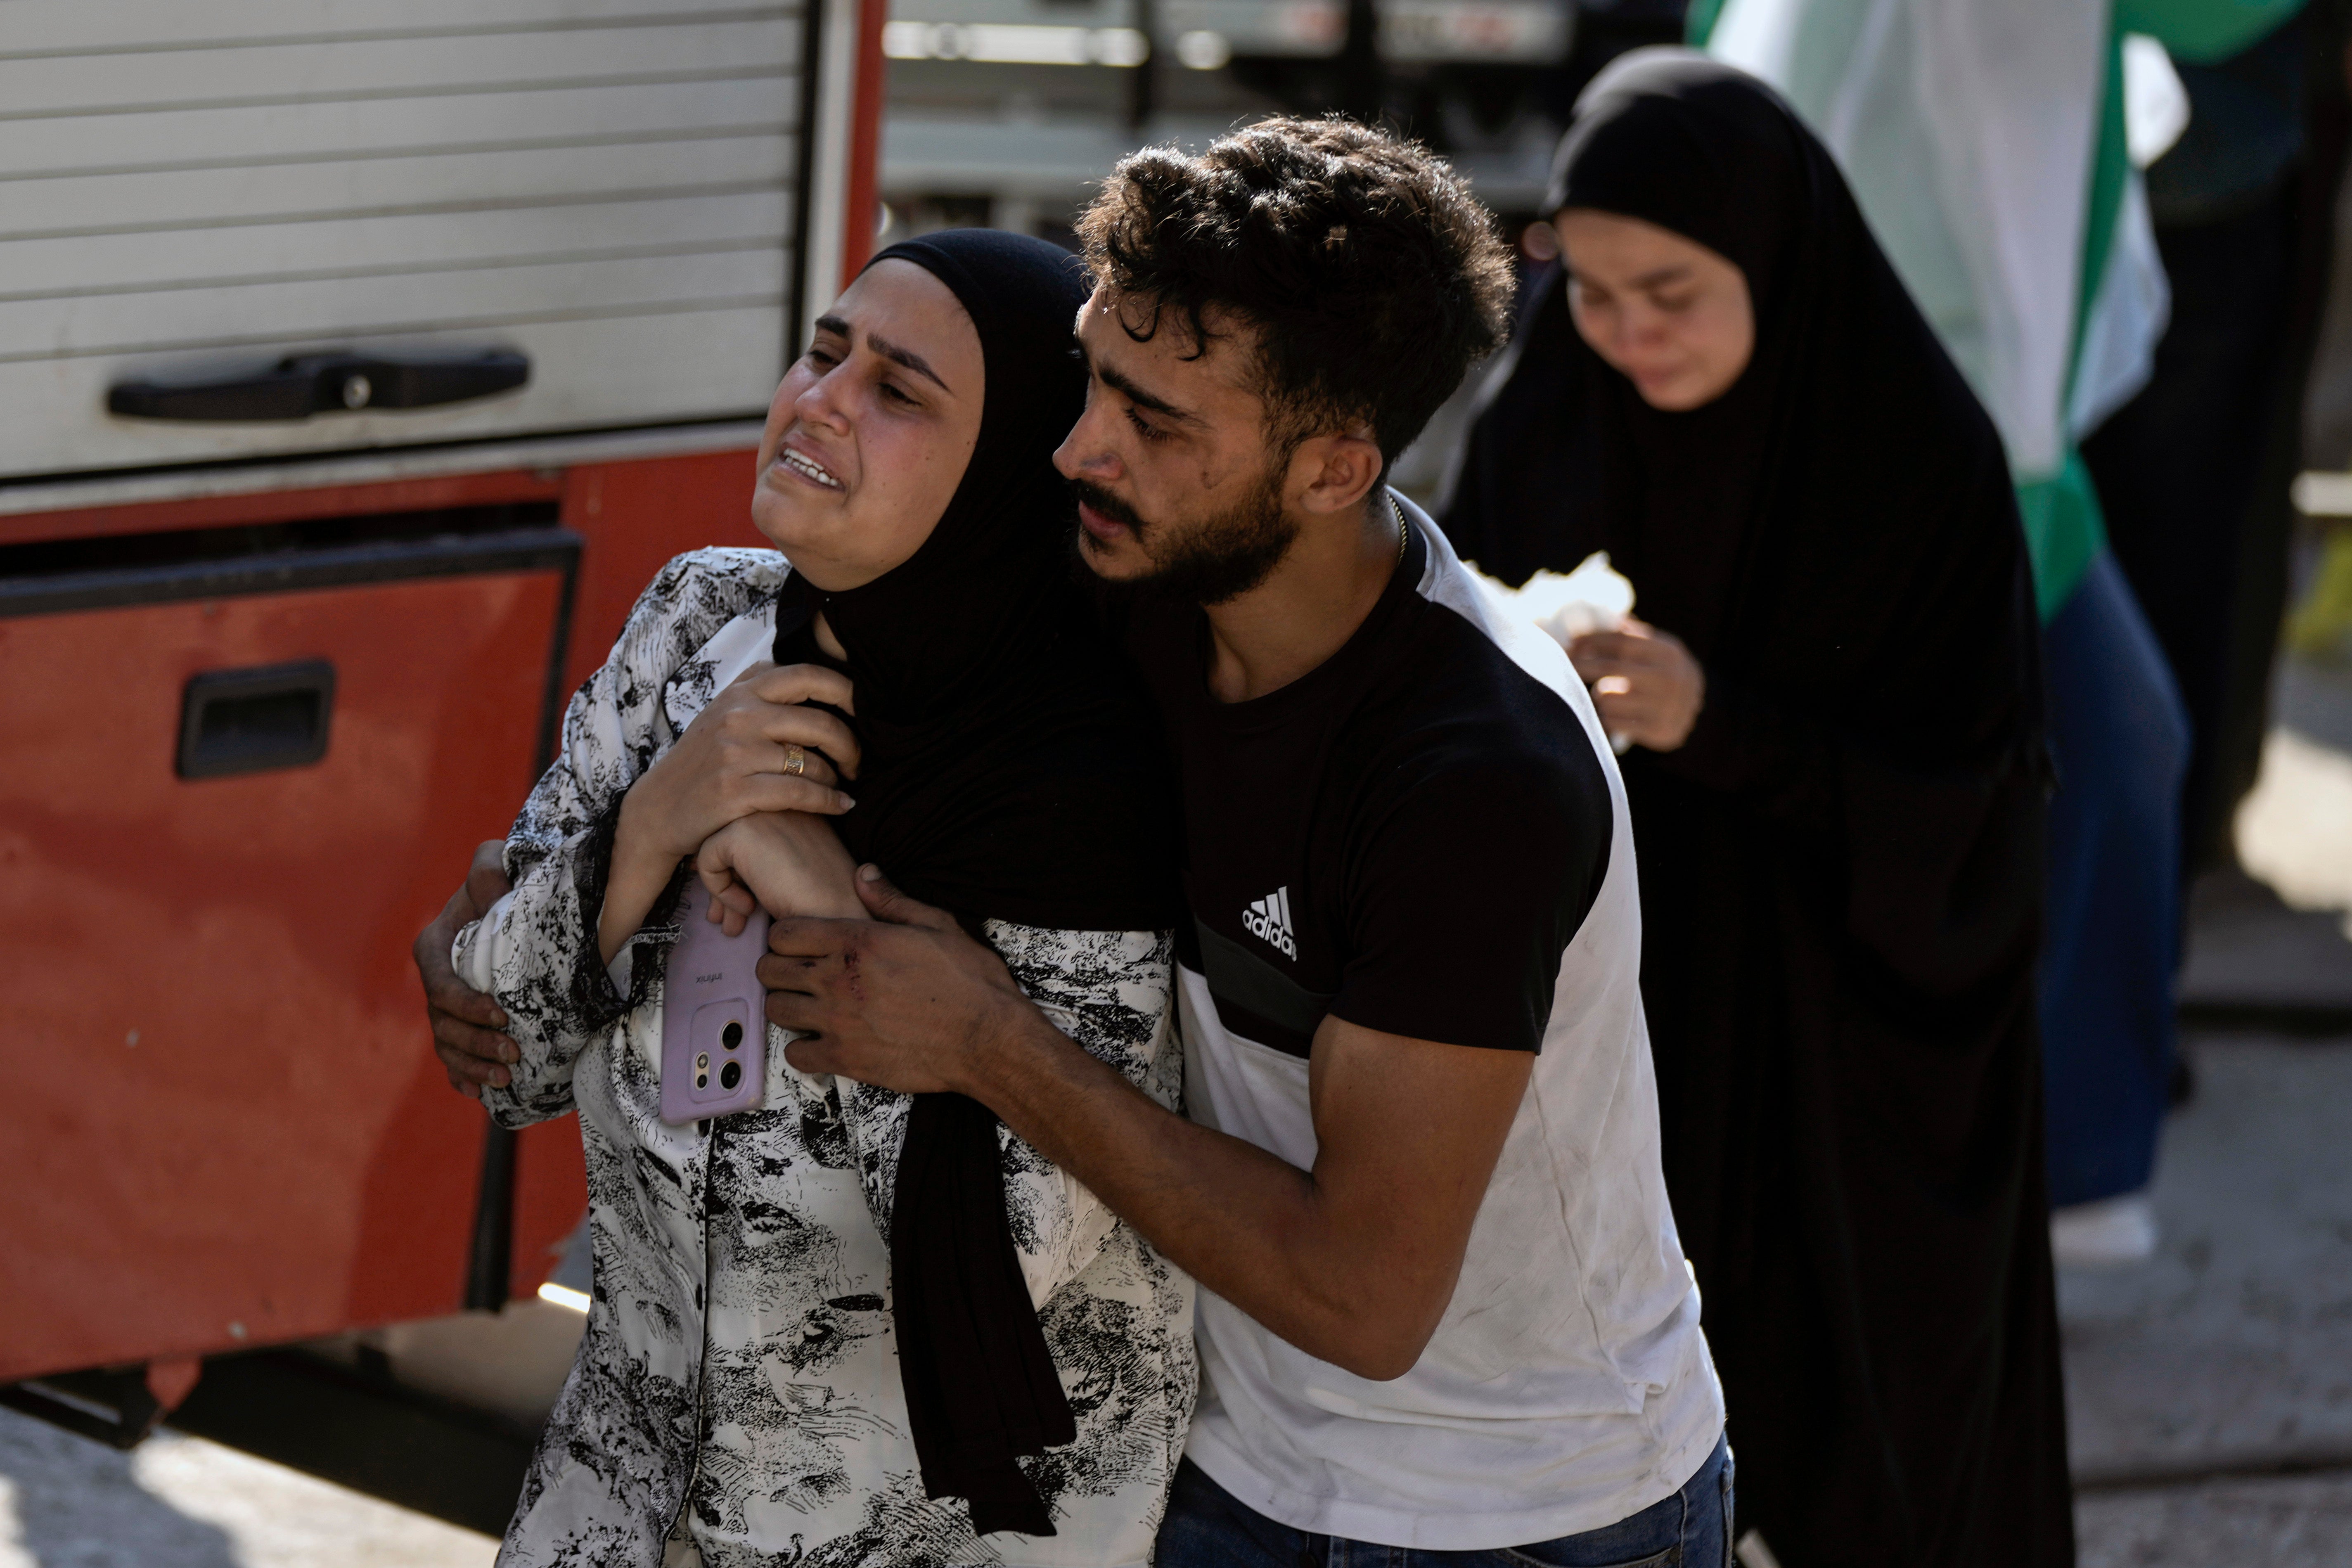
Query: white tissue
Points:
[1595, 597]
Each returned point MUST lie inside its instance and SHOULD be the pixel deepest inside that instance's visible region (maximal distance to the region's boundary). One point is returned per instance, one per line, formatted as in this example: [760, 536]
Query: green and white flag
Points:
[1995, 147]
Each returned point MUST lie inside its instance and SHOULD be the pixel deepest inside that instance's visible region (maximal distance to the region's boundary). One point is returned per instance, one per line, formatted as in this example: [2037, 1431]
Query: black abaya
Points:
[1840, 869]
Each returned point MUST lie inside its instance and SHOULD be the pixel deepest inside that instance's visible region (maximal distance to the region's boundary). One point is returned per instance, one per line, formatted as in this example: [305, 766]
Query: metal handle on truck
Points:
[298, 387]
[251, 721]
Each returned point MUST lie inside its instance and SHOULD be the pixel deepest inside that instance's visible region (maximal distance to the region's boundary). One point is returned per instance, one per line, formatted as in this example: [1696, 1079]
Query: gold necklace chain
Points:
[1403, 534]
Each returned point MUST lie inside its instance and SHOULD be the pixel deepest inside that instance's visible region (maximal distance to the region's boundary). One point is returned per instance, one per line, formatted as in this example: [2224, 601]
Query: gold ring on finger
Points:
[795, 761]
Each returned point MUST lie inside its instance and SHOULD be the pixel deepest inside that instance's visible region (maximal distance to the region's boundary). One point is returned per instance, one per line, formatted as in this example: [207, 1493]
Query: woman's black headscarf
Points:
[1010, 770]
[1847, 499]
[1840, 867]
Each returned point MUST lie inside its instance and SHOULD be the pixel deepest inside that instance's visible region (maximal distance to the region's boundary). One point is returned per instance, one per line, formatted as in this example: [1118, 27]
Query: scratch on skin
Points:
[849, 974]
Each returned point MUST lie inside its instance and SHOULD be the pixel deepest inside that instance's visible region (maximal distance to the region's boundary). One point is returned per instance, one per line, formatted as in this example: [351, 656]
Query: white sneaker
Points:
[2113, 1233]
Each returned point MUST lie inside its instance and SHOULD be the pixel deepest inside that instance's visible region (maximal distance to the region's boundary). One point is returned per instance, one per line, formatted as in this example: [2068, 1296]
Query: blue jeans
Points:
[2111, 933]
[1207, 1527]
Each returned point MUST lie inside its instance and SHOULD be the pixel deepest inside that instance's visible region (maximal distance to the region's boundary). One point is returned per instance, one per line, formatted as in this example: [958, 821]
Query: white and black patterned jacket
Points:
[736, 1393]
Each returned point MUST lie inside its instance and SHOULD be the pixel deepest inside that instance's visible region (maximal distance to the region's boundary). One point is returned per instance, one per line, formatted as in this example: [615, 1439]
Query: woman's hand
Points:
[789, 862]
[1648, 687]
[754, 748]
[736, 758]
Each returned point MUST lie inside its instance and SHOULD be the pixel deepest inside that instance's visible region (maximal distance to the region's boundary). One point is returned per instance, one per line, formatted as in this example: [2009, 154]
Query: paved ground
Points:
[2295, 830]
[2292, 1522]
[2232, 1351]
[182, 1502]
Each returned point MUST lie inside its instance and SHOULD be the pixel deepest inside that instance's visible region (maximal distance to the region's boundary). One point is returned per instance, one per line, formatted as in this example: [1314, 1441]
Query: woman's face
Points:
[872, 429]
[1670, 314]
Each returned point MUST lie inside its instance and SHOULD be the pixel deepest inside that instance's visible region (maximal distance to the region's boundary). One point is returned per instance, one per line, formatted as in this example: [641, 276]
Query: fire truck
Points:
[360, 362]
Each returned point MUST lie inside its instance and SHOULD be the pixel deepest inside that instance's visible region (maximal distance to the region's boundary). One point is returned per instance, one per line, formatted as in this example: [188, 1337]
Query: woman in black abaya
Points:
[1836, 781]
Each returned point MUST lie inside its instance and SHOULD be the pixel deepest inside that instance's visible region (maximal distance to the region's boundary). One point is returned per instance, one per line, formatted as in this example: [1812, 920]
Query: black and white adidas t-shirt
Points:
[1427, 836]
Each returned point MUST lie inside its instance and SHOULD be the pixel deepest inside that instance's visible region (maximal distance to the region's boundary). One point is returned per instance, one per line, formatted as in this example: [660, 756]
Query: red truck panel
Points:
[224, 1127]
[635, 517]
[278, 1156]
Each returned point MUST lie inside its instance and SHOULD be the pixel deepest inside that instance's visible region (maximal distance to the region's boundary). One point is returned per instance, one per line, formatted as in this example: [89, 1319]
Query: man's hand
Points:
[1354, 1261]
[903, 1004]
[465, 1021]
[1647, 686]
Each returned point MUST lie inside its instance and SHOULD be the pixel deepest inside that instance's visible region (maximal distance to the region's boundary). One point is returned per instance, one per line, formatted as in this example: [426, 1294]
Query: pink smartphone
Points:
[714, 1015]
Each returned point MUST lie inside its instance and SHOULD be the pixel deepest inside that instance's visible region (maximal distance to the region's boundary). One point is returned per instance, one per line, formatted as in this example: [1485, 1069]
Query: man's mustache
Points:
[1110, 505]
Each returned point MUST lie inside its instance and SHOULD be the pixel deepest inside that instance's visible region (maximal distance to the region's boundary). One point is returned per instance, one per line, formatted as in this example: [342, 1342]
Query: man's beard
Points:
[1215, 560]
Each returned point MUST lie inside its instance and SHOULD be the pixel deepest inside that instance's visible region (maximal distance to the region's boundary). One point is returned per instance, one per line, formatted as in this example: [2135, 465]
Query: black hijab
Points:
[1009, 756]
[1840, 867]
[1009, 772]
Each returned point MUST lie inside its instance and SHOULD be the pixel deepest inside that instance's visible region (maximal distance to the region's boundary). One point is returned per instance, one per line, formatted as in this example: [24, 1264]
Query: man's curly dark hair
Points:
[1370, 276]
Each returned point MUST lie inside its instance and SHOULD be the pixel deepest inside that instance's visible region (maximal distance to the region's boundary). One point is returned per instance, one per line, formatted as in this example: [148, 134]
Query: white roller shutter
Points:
[189, 191]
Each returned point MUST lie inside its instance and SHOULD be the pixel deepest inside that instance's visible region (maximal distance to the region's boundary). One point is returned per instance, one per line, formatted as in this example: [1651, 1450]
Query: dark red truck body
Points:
[264, 686]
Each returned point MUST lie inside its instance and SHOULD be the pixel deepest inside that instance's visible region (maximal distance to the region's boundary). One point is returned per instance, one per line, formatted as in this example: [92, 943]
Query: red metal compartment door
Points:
[221, 1122]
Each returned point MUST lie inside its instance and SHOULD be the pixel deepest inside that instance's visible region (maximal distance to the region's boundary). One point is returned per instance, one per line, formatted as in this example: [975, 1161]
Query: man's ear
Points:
[1334, 473]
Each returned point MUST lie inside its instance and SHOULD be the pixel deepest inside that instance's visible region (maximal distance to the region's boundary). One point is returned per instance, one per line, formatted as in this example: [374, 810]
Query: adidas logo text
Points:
[1268, 919]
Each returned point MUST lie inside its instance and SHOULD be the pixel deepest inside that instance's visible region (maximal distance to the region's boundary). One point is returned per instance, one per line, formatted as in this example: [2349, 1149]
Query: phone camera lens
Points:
[731, 1037]
[731, 1074]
